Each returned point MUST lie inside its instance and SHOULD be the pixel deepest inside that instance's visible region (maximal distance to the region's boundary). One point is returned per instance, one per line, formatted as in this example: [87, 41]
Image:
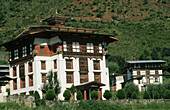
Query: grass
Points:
[89, 105]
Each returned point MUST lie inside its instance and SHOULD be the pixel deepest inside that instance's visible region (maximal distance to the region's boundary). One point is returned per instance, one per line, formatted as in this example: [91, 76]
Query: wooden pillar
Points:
[99, 94]
[85, 96]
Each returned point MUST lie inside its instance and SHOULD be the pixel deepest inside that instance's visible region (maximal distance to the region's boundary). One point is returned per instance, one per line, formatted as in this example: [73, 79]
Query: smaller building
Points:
[144, 72]
[4, 79]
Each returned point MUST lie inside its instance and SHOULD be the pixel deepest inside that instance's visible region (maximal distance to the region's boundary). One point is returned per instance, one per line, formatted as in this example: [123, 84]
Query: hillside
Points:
[141, 25]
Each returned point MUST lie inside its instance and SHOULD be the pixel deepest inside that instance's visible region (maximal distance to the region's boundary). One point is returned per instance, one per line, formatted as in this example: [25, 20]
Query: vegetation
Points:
[79, 95]
[130, 88]
[146, 95]
[121, 94]
[107, 94]
[50, 95]
[167, 94]
[52, 83]
[89, 105]
[134, 95]
[73, 90]
[156, 95]
[94, 95]
[67, 94]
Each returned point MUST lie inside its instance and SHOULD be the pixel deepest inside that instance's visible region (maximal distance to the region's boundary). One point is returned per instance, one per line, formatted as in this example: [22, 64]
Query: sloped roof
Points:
[147, 61]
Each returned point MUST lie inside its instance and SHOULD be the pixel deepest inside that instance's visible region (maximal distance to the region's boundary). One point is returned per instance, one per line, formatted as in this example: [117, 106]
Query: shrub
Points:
[130, 88]
[67, 94]
[94, 95]
[134, 95]
[37, 98]
[50, 95]
[79, 95]
[121, 94]
[167, 94]
[146, 95]
[107, 94]
[156, 95]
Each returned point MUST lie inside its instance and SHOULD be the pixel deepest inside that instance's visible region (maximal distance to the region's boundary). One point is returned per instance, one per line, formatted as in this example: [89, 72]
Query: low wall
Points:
[26, 100]
[30, 101]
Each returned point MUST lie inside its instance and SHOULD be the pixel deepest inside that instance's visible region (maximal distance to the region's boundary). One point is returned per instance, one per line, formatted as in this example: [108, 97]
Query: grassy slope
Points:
[139, 24]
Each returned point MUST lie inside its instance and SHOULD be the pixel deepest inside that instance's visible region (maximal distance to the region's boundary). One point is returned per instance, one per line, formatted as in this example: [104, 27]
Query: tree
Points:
[67, 94]
[130, 88]
[94, 95]
[156, 95]
[50, 95]
[79, 95]
[146, 95]
[167, 94]
[52, 83]
[73, 90]
[121, 94]
[107, 94]
[134, 95]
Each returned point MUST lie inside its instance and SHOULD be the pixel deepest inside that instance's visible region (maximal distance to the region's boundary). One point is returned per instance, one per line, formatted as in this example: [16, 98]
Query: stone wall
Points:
[30, 101]
[26, 100]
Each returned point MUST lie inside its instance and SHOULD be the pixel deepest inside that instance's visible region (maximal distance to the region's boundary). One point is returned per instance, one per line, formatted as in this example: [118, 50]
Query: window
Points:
[22, 82]
[21, 70]
[100, 48]
[44, 78]
[69, 64]
[64, 46]
[14, 72]
[41, 49]
[76, 47]
[30, 49]
[156, 72]
[90, 48]
[69, 77]
[138, 72]
[156, 79]
[14, 84]
[10, 56]
[43, 65]
[96, 65]
[83, 77]
[83, 63]
[16, 54]
[147, 72]
[24, 51]
[139, 81]
[30, 67]
[55, 64]
[30, 80]
[97, 77]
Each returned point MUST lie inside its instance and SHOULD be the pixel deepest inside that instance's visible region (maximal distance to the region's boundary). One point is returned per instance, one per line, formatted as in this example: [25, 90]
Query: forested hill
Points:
[141, 25]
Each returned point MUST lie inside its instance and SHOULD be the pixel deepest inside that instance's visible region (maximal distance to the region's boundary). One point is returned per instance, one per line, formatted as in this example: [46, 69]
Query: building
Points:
[78, 56]
[144, 72]
[4, 79]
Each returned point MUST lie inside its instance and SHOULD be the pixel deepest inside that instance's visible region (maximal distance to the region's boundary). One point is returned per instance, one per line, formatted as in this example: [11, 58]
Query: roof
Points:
[90, 84]
[7, 66]
[147, 61]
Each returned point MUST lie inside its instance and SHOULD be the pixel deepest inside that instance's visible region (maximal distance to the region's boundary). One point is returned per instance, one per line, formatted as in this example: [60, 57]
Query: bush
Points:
[107, 94]
[146, 95]
[94, 95]
[167, 94]
[37, 98]
[156, 95]
[79, 95]
[50, 95]
[130, 88]
[121, 94]
[67, 94]
[134, 95]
